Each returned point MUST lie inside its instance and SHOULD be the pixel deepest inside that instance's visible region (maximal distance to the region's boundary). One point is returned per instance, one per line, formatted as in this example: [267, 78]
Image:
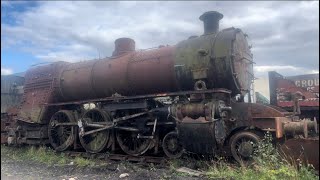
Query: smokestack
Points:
[123, 45]
[211, 21]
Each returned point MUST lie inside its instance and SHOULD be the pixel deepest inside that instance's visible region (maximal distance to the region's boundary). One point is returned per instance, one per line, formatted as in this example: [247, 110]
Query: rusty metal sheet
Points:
[148, 96]
[197, 136]
[152, 71]
[76, 80]
[110, 77]
[123, 45]
[132, 73]
[39, 89]
[303, 150]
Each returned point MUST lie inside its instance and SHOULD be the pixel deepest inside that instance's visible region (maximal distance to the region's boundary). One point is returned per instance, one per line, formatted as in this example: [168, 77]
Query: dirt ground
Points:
[30, 170]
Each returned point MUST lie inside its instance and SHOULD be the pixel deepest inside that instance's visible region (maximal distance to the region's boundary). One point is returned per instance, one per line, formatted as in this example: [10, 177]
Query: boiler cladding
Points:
[216, 59]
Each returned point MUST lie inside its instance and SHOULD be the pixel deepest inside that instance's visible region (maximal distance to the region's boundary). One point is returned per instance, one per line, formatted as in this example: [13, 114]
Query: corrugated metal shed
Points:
[11, 90]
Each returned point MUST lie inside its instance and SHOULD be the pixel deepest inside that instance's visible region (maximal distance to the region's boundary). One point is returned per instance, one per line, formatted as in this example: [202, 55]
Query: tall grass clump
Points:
[44, 155]
[268, 165]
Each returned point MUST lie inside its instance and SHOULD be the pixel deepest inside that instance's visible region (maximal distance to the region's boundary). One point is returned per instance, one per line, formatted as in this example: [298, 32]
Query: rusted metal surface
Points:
[118, 98]
[197, 136]
[75, 81]
[39, 88]
[133, 73]
[302, 150]
[269, 118]
[202, 127]
[123, 45]
[257, 115]
[226, 63]
[286, 126]
[211, 21]
[194, 110]
[300, 127]
[152, 71]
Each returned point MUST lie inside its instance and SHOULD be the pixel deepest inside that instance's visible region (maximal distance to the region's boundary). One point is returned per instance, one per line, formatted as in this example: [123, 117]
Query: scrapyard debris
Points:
[124, 175]
[190, 171]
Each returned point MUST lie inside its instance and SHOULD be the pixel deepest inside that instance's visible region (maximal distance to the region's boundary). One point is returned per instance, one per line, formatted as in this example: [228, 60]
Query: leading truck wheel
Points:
[243, 146]
[171, 145]
[61, 137]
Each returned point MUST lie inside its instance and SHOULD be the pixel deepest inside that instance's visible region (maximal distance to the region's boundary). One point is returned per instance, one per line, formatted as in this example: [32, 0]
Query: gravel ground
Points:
[25, 170]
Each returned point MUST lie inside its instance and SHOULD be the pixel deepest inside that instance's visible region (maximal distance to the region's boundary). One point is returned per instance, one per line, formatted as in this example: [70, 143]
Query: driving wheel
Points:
[61, 137]
[97, 141]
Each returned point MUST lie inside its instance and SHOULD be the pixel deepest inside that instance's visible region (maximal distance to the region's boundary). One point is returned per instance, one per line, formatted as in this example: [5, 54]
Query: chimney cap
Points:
[124, 39]
[212, 14]
[123, 45]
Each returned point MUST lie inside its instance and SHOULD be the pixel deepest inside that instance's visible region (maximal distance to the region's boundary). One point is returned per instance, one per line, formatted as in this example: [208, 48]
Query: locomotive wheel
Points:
[243, 146]
[98, 141]
[131, 144]
[171, 145]
[61, 137]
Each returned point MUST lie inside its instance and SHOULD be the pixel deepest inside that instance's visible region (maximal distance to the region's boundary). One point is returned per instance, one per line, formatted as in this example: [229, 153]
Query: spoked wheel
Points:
[131, 144]
[61, 137]
[171, 145]
[98, 141]
[243, 146]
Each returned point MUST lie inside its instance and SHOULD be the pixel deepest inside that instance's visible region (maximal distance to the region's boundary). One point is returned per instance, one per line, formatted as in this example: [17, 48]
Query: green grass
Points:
[43, 155]
[257, 171]
[79, 161]
[268, 165]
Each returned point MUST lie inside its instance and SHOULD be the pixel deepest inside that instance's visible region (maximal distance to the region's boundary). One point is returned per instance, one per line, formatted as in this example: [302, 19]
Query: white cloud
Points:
[6, 71]
[282, 33]
[261, 71]
[274, 68]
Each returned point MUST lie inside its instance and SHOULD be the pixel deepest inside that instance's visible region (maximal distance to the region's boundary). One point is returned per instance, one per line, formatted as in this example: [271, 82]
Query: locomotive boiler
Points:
[170, 99]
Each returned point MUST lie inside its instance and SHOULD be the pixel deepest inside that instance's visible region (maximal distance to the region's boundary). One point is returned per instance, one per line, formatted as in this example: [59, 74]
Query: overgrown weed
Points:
[44, 155]
[268, 165]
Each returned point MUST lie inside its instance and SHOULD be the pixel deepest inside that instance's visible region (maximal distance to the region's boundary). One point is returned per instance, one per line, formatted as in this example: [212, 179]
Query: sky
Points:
[284, 35]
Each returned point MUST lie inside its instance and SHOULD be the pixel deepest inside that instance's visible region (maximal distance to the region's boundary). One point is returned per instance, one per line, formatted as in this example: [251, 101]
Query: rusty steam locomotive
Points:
[173, 99]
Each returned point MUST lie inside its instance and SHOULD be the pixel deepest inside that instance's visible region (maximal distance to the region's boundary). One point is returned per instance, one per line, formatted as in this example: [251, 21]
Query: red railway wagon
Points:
[282, 91]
